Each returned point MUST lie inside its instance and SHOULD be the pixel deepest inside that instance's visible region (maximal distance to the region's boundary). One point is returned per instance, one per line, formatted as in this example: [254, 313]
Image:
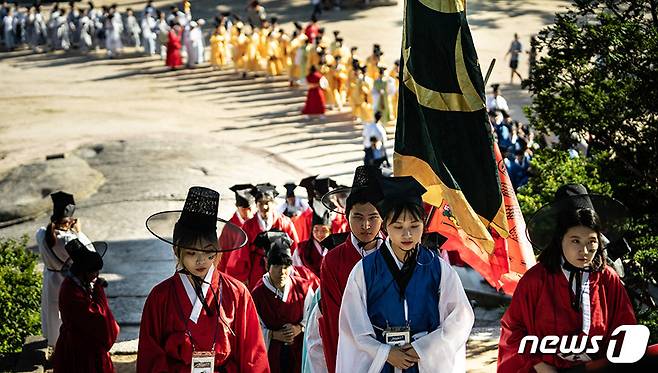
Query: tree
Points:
[596, 79]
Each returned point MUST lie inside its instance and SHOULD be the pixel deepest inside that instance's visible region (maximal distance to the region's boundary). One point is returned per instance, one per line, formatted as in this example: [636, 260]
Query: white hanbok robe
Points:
[194, 46]
[54, 260]
[148, 35]
[443, 350]
[314, 361]
[113, 30]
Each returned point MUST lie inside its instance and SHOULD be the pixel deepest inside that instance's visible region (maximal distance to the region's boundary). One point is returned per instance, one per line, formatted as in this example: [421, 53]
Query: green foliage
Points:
[553, 168]
[20, 294]
[596, 79]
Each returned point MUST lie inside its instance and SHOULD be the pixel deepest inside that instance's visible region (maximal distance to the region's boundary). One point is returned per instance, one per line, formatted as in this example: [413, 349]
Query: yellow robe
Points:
[372, 70]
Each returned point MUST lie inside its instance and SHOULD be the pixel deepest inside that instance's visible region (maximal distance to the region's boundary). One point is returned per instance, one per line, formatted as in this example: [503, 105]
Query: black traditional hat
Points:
[495, 86]
[264, 190]
[85, 261]
[334, 240]
[63, 205]
[290, 189]
[317, 186]
[277, 246]
[364, 189]
[399, 189]
[75, 245]
[198, 218]
[321, 219]
[542, 225]
[243, 196]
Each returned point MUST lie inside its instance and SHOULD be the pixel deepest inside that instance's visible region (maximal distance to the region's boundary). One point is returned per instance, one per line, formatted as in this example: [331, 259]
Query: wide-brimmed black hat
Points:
[63, 205]
[198, 218]
[334, 240]
[75, 245]
[364, 189]
[243, 196]
[276, 244]
[86, 261]
[542, 225]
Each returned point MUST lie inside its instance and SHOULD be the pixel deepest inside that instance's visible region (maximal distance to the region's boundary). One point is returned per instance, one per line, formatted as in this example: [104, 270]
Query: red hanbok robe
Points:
[249, 265]
[334, 271]
[340, 224]
[225, 240]
[307, 275]
[274, 313]
[541, 306]
[315, 96]
[310, 257]
[164, 345]
[174, 58]
[303, 224]
[88, 330]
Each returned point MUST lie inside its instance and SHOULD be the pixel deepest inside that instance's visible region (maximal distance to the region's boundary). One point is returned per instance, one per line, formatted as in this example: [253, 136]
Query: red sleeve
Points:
[620, 309]
[89, 313]
[151, 357]
[251, 349]
[330, 299]
[238, 264]
[289, 228]
[515, 325]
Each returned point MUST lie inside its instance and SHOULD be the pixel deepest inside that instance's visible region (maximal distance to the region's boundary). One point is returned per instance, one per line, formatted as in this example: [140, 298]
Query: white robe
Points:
[314, 359]
[54, 261]
[443, 350]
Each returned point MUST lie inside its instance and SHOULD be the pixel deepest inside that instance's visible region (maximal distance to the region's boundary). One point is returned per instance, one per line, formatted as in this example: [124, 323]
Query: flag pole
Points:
[489, 70]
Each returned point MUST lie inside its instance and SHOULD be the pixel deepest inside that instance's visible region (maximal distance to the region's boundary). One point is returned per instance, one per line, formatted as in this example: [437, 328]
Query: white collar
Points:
[191, 294]
[321, 250]
[266, 225]
[362, 252]
[286, 288]
[390, 249]
[585, 305]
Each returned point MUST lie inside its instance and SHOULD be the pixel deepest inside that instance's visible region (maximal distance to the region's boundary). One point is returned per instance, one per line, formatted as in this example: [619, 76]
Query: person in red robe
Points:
[249, 264]
[174, 58]
[316, 187]
[244, 210]
[312, 29]
[315, 102]
[570, 292]
[281, 299]
[199, 312]
[310, 252]
[88, 328]
[365, 237]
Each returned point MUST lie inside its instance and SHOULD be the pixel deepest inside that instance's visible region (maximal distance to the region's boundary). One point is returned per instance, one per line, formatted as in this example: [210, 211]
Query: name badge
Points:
[203, 362]
[399, 336]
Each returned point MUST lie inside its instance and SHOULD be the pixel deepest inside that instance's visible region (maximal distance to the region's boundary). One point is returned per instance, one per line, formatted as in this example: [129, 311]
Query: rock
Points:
[25, 190]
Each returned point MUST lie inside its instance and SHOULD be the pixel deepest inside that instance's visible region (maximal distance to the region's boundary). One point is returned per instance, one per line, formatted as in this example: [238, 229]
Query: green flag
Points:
[443, 137]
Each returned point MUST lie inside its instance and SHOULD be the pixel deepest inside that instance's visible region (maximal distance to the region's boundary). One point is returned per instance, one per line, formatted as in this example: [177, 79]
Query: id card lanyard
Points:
[202, 361]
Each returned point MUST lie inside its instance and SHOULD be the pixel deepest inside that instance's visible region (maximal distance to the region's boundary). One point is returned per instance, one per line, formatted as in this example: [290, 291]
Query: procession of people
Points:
[359, 292]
